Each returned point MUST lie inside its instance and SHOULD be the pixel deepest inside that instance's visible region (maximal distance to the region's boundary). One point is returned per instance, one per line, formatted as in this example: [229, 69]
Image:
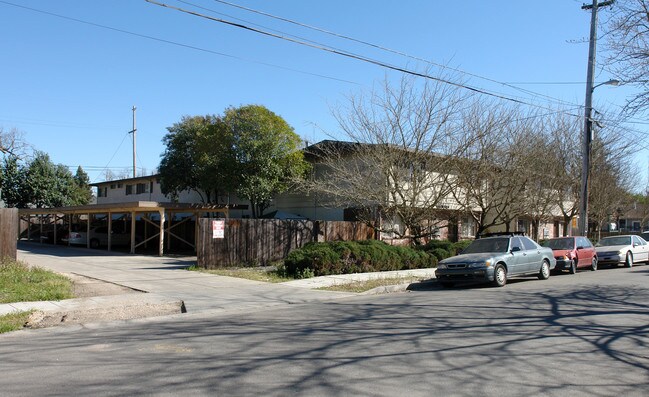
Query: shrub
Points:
[344, 257]
[442, 249]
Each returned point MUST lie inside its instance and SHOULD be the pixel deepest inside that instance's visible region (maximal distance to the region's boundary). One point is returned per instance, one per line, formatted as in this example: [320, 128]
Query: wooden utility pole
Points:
[134, 131]
[588, 121]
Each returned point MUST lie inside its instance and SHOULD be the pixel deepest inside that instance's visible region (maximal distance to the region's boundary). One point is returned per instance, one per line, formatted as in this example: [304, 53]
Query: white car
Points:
[628, 250]
[98, 237]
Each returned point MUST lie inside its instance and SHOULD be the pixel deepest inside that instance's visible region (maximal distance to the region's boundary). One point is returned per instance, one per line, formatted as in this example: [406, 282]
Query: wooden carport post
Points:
[133, 216]
[162, 232]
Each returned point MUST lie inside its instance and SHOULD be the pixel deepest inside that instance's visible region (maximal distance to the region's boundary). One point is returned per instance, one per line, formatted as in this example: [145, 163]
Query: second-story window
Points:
[129, 189]
[142, 188]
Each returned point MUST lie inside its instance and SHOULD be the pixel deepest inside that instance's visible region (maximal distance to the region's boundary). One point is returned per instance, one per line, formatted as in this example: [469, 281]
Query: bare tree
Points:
[564, 163]
[627, 48]
[612, 176]
[490, 177]
[12, 143]
[394, 168]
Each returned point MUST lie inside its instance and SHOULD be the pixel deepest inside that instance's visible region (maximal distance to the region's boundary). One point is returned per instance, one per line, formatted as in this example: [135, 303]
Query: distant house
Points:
[147, 188]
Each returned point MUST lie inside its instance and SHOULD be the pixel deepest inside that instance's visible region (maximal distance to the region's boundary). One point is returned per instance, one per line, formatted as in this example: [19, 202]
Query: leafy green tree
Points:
[82, 192]
[182, 165]
[52, 185]
[249, 151]
[12, 182]
[264, 154]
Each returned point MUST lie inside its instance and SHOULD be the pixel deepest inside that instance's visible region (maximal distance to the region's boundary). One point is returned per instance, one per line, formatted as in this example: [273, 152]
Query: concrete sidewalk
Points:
[166, 280]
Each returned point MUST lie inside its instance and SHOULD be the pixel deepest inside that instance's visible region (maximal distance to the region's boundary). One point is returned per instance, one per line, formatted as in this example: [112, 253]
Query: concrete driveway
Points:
[168, 277]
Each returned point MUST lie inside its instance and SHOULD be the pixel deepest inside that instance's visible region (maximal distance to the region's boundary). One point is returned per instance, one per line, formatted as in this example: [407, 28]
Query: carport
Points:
[155, 219]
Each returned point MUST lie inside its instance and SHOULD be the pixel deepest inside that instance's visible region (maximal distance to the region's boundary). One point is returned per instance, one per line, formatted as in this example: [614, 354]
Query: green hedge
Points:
[442, 249]
[344, 257]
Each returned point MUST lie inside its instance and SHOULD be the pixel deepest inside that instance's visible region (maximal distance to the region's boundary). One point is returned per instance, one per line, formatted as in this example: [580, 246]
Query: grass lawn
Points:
[13, 321]
[19, 283]
[362, 286]
[265, 274]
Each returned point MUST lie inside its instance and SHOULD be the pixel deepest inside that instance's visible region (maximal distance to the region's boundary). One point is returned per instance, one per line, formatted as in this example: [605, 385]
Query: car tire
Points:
[544, 273]
[628, 262]
[573, 266]
[446, 284]
[94, 243]
[593, 264]
[500, 276]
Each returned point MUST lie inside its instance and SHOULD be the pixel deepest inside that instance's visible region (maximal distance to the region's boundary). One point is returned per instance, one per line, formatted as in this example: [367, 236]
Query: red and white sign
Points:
[218, 229]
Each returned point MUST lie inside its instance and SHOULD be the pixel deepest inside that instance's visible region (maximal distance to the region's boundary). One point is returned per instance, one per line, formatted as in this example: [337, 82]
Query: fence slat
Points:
[9, 223]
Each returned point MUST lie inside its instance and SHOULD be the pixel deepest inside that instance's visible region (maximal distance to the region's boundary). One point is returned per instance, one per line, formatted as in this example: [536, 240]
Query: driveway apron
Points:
[168, 277]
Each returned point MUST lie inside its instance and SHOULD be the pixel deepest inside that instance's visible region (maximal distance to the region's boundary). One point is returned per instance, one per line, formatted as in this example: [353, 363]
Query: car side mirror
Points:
[580, 248]
[516, 249]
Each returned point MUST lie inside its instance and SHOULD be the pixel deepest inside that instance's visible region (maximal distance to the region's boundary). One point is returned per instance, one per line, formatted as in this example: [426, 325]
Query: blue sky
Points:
[69, 84]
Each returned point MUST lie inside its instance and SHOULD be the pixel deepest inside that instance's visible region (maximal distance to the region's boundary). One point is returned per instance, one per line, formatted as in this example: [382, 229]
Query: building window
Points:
[467, 227]
[129, 189]
[119, 185]
[112, 186]
[142, 188]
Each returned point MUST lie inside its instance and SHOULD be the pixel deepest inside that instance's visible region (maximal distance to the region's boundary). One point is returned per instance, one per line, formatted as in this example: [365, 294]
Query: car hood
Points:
[468, 258]
[611, 248]
[561, 252]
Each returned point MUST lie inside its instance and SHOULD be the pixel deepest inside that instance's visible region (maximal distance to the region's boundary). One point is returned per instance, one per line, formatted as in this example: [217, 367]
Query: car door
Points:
[518, 263]
[640, 250]
[585, 251]
[532, 255]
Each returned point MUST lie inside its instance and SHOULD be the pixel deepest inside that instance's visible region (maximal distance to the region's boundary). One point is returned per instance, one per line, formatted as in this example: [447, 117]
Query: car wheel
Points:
[629, 260]
[500, 276]
[593, 264]
[446, 284]
[94, 243]
[544, 273]
[573, 266]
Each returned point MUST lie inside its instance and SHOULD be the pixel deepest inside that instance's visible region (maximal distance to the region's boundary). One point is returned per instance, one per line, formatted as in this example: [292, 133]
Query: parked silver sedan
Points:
[628, 250]
[495, 259]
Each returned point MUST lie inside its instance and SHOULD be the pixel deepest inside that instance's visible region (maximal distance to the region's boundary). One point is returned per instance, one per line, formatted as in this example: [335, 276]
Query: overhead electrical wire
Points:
[339, 52]
[176, 43]
[382, 48]
[317, 45]
[344, 53]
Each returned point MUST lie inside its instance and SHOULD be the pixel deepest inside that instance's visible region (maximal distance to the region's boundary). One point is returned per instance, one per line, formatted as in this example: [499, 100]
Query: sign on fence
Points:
[218, 229]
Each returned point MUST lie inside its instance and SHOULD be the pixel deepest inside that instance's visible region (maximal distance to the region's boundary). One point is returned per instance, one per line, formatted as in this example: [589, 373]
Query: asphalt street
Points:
[572, 335]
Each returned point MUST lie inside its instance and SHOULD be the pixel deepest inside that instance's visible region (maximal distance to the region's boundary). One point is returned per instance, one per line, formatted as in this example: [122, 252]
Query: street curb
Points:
[106, 308]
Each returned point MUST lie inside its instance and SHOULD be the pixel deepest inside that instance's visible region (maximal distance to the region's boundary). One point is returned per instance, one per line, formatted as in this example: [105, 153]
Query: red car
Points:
[573, 253]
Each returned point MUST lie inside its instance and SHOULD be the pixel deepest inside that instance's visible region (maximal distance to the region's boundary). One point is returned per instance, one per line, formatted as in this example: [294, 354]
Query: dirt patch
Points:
[86, 287]
[98, 301]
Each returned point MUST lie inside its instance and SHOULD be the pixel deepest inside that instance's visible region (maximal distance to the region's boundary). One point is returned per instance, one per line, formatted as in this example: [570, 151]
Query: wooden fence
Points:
[8, 232]
[263, 241]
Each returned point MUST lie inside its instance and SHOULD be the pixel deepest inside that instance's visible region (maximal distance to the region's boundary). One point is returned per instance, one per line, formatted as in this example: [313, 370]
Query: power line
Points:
[144, 36]
[344, 53]
[383, 48]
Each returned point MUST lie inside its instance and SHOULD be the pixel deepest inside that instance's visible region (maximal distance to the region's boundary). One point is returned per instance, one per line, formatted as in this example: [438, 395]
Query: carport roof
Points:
[135, 206]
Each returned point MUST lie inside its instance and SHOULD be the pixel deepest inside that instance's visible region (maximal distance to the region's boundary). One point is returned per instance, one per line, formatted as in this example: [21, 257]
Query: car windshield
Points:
[487, 245]
[619, 240]
[560, 244]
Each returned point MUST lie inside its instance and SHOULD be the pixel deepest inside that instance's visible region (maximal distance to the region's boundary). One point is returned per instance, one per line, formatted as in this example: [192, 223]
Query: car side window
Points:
[637, 241]
[528, 244]
[516, 244]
